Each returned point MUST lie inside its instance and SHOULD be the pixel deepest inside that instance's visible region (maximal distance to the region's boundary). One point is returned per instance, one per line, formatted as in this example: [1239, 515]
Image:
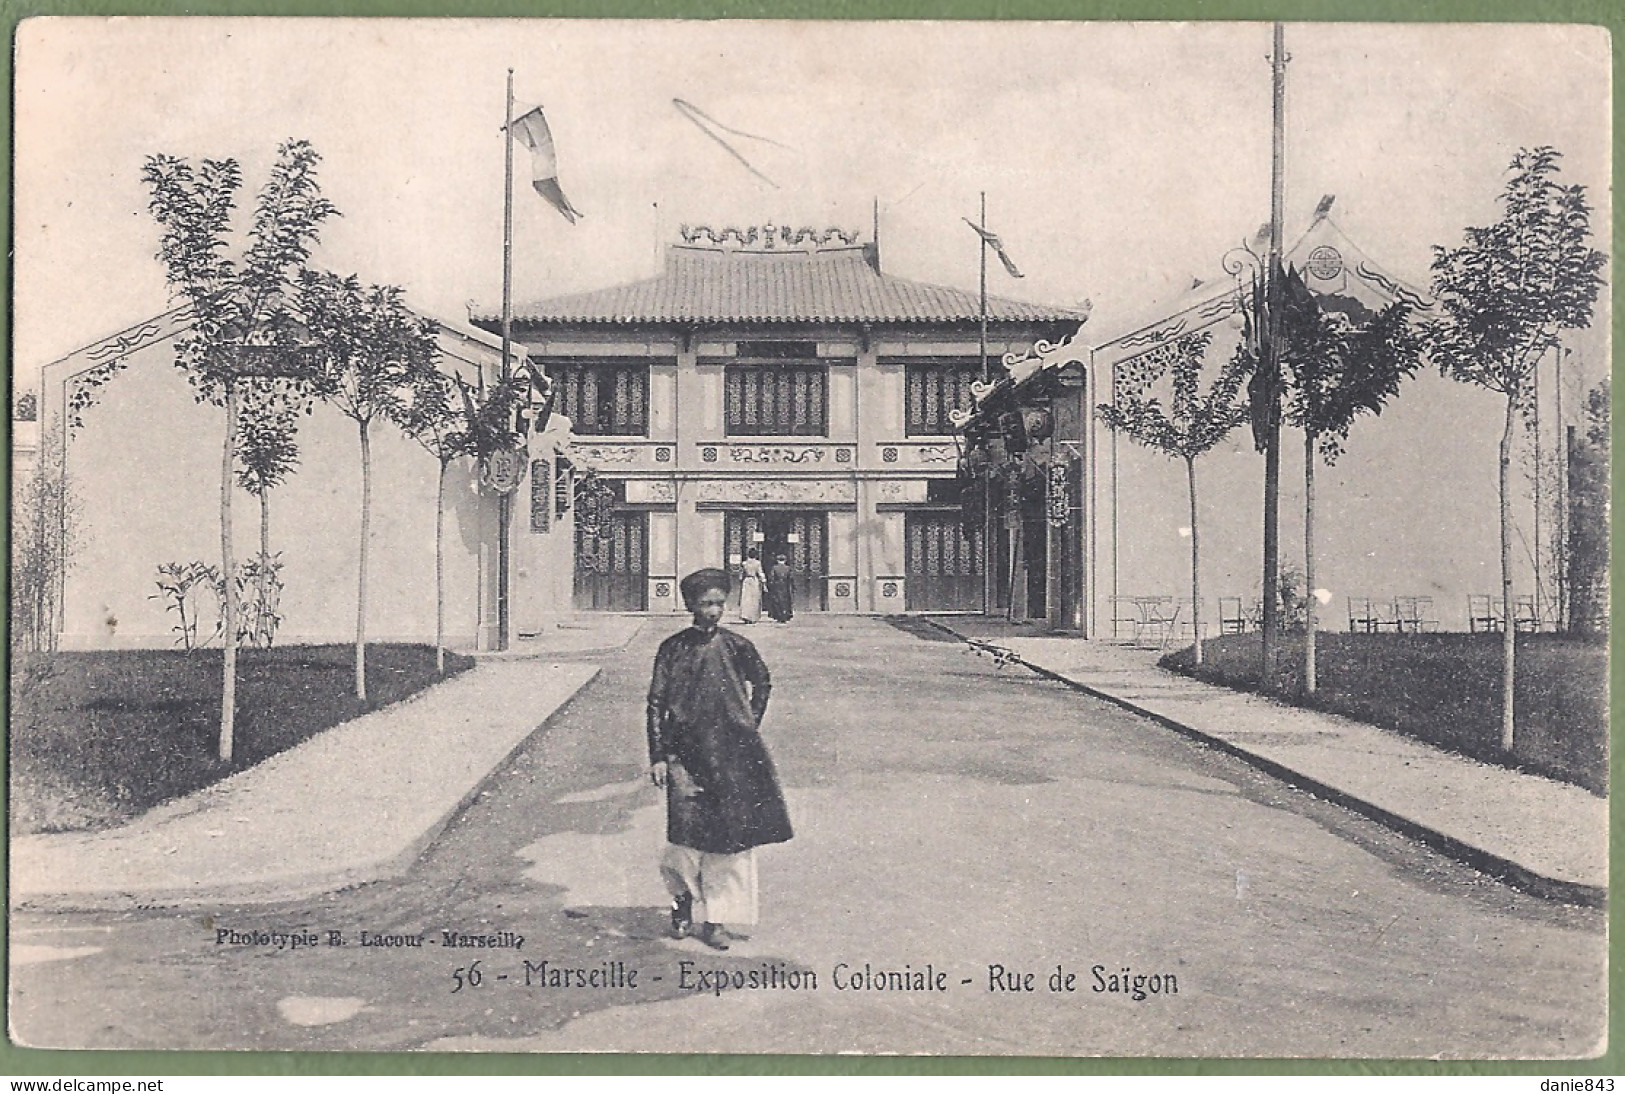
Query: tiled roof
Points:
[703, 285]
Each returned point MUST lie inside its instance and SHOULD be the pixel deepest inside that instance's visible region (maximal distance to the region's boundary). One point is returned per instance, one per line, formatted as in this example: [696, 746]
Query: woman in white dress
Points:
[750, 588]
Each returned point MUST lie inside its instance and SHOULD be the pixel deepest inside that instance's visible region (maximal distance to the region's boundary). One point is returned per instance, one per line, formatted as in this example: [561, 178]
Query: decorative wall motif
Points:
[662, 454]
[599, 455]
[935, 453]
[1133, 376]
[662, 590]
[842, 590]
[708, 454]
[826, 492]
[778, 454]
[123, 342]
[889, 589]
[888, 455]
[895, 492]
[1324, 263]
[1393, 288]
[843, 455]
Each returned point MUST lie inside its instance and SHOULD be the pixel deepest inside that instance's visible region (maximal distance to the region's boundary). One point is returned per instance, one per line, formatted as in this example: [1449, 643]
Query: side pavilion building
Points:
[774, 389]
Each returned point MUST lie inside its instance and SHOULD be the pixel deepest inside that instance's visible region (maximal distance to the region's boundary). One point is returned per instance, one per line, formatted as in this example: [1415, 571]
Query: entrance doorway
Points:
[943, 564]
[612, 564]
[801, 535]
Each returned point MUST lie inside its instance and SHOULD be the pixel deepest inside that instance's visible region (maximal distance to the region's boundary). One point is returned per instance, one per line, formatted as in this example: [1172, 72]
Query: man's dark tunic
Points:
[703, 716]
[778, 592]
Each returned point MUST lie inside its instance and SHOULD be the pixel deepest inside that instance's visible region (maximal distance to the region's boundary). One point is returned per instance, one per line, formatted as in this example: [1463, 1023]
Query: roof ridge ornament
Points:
[766, 237]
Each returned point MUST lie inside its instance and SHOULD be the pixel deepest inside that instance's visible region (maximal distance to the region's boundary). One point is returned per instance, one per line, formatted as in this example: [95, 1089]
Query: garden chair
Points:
[1158, 618]
[1483, 613]
[1232, 618]
[1362, 618]
[1525, 617]
[1125, 617]
[1414, 614]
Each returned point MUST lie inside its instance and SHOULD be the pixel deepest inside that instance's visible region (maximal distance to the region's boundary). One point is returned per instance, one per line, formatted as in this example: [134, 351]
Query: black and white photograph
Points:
[991, 539]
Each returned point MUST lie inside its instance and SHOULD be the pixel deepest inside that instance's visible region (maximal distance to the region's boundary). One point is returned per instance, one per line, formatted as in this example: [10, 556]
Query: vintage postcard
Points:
[1011, 539]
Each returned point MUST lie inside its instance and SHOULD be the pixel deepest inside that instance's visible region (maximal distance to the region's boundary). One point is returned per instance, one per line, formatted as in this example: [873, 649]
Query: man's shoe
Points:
[714, 935]
[682, 915]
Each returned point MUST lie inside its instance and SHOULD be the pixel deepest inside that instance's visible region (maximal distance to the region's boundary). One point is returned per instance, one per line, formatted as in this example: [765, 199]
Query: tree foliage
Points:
[369, 347]
[1340, 361]
[235, 301]
[1510, 287]
[1195, 419]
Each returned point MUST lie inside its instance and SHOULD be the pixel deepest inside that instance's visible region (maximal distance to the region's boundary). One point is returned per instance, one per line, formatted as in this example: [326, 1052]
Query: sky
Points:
[1120, 161]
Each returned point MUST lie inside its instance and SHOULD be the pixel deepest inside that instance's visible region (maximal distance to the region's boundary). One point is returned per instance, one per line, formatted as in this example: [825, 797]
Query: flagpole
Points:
[504, 501]
[1270, 624]
[988, 554]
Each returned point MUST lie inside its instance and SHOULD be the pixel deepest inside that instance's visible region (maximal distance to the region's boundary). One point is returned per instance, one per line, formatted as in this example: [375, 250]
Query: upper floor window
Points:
[934, 388]
[782, 398]
[603, 397]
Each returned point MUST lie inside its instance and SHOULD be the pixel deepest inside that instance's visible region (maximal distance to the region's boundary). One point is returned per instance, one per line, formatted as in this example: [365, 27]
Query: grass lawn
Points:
[115, 732]
[1446, 689]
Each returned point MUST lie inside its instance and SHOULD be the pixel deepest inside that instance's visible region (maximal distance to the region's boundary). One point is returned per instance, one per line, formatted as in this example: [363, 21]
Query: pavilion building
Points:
[775, 389]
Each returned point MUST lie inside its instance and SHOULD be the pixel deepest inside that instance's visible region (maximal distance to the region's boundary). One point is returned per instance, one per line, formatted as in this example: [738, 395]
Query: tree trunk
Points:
[1310, 602]
[440, 572]
[262, 626]
[1509, 636]
[1196, 566]
[228, 598]
[361, 582]
[1271, 625]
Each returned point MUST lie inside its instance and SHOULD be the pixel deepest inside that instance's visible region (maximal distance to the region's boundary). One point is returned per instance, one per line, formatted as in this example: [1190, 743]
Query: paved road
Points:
[951, 816]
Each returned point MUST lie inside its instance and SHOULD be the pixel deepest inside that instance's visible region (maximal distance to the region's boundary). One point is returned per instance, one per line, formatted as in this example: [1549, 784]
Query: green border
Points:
[1608, 13]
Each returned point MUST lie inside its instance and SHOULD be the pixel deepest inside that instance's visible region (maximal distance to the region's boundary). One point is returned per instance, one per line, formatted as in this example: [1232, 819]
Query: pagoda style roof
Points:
[778, 283]
[1333, 267]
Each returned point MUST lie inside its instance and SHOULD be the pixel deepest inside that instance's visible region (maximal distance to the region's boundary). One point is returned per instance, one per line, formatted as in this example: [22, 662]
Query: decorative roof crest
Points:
[766, 237]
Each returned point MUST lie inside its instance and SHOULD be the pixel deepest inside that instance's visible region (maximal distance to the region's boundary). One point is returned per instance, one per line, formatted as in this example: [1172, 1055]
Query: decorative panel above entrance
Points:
[713, 492]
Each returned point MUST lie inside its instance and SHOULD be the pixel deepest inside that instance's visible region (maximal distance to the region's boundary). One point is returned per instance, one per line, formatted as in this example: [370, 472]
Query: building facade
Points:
[1408, 512]
[775, 390]
[142, 459]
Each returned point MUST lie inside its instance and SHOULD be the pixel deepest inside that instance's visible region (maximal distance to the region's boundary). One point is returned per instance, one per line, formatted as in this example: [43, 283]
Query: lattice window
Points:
[783, 399]
[935, 389]
[603, 397]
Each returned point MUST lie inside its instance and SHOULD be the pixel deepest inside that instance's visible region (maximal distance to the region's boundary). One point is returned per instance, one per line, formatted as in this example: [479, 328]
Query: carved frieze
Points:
[806, 491]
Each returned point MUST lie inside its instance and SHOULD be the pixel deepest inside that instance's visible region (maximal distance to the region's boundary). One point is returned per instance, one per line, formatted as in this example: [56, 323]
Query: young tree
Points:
[45, 534]
[371, 349]
[1194, 422]
[240, 308]
[474, 424]
[428, 416]
[267, 453]
[1338, 365]
[1506, 293]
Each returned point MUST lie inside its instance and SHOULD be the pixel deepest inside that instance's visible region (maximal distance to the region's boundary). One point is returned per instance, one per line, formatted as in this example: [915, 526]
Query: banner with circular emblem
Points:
[503, 470]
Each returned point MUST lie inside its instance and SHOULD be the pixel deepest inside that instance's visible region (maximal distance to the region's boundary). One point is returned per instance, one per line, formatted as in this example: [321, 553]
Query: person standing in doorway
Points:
[751, 579]
[778, 590]
[706, 702]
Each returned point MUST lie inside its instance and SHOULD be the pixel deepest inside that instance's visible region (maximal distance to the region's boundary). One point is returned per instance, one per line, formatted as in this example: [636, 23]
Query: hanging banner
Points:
[1059, 495]
[503, 470]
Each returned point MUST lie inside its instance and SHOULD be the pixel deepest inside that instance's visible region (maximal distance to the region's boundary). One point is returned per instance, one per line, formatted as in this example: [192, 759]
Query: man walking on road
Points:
[706, 702]
[778, 590]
